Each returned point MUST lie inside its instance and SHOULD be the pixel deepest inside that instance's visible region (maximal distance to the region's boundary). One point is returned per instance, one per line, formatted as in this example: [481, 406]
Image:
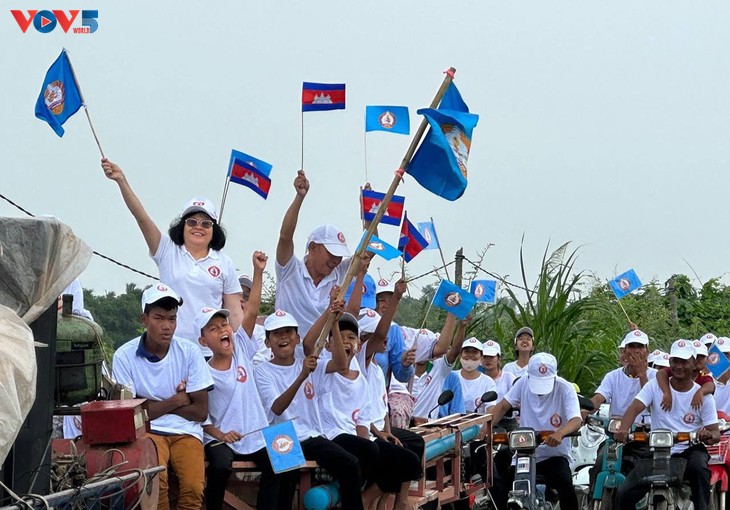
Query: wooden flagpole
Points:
[83, 102]
[384, 206]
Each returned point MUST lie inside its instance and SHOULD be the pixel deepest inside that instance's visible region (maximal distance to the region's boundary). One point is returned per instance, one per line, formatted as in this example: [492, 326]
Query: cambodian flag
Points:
[371, 201]
[251, 172]
[322, 96]
[411, 242]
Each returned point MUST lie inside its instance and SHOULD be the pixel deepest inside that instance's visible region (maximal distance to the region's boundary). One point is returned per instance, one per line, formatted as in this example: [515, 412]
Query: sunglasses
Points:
[192, 223]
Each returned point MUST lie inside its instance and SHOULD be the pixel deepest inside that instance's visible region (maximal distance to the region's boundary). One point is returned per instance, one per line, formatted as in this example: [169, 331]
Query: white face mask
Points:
[469, 364]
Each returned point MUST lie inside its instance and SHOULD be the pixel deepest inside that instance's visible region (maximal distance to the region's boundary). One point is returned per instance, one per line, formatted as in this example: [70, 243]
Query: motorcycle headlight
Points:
[661, 438]
[522, 439]
[614, 425]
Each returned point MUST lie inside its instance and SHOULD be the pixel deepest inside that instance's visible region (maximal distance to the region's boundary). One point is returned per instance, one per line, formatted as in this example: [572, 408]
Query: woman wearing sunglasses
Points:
[188, 257]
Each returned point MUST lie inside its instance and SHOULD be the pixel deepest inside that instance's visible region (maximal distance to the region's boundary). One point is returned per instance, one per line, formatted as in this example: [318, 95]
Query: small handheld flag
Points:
[250, 172]
[428, 231]
[454, 299]
[484, 290]
[411, 242]
[283, 447]
[717, 363]
[625, 283]
[439, 165]
[60, 97]
[322, 96]
[371, 201]
[391, 119]
[380, 247]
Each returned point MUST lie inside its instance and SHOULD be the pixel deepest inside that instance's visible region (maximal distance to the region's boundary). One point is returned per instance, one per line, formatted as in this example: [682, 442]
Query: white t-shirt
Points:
[200, 283]
[620, 390]
[159, 380]
[429, 387]
[722, 397]
[342, 406]
[273, 380]
[424, 351]
[682, 418]
[377, 395]
[504, 382]
[513, 368]
[473, 389]
[263, 353]
[234, 403]
[546, 412]
[297, 294]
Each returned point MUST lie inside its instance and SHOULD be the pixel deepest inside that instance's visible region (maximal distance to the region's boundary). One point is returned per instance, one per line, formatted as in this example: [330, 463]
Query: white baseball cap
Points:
[662, 361]
[682, 349]
[491, 348]
[708, 339]
[348, 318]
[700, 348]
[368, 320]
[200, 204]
[636, 336]
[384, 285]
[207, 313]
[280, 319]
[332, 238]
[245, 281]
[654, 355]
[157, 292]
[541, 372]
[472, 342]
[723, 343]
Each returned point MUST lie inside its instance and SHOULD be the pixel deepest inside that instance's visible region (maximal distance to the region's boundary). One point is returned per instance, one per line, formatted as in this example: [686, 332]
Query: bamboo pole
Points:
[383, 207]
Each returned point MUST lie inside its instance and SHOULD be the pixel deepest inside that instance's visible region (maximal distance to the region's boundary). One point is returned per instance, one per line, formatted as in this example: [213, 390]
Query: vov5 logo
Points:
[46, 21]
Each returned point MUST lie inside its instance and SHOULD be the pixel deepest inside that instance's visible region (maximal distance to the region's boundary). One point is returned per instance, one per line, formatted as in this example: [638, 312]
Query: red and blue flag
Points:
[411, 242]
[322, 96]
[371, 201]
[250, 172]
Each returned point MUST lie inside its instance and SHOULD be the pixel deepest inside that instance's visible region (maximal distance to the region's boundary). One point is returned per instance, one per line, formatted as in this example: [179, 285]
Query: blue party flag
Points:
[717, 362]
[439, 164]
[625, 283]
[283, 447]
[392, 119]
[411, 242]
[322, 96]
[60, 97]
[428, 231]
[454, 299]
[371, 200]
[380, 247]
[251, 172]
[484, 290]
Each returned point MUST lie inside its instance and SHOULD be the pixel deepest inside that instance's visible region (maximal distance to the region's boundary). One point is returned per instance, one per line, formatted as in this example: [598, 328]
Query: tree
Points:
[118, 315]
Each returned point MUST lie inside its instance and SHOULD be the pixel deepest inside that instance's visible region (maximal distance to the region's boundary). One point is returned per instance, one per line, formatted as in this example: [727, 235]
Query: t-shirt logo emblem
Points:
[355, 415]
[556, 420]
[309, 390]
[689, 418]
[241, 374]
[214, 271]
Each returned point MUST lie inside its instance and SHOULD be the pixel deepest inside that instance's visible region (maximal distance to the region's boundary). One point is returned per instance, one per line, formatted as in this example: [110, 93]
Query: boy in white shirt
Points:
[473, 383]
[170, 373]
[681, 418]
[290, 387]
[491, 359]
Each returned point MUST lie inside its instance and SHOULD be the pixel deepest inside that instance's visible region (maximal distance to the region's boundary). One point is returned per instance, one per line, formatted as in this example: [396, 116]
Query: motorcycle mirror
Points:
[445, 397]
[489, 396]
[585, 403]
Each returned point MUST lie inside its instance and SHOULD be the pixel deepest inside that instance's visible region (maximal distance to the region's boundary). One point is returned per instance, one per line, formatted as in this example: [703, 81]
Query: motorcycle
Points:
[585, 449]
[610, 476]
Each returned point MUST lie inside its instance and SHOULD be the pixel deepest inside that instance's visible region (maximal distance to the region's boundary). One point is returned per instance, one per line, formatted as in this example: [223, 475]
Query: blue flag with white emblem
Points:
[428, 231]
[454, 299]
[60, 97]
[717, 363]
[282, 445]
[391, 119]
[625, 283]
[484, 290]
[439, 164]
[380, 247]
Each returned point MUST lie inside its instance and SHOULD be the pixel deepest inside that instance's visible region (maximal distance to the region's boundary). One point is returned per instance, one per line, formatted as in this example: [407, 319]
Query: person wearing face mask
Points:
[473, 383]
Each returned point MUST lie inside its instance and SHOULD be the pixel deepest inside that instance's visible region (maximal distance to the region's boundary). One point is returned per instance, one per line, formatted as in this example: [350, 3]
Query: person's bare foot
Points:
[370, 497]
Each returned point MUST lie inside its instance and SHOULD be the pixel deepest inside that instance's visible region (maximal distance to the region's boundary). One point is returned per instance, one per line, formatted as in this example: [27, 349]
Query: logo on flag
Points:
[380, 247]
[625, 283]
[282, 444]
[440, 164]
[60, 97]
[454, 299]
[411, 242]
[428, 231]
[371, 201]
[323, 96]
[283, 447]
[484, 290]
[717, 362]
[392, 119]
[250, 172]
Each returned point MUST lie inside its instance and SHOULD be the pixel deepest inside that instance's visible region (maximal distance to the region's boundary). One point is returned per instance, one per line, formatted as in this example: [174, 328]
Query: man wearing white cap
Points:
[547, 402]
[706, 382]
[303, 285]
[524, 345]
[473, 383]
[683, 417]
[170, 373]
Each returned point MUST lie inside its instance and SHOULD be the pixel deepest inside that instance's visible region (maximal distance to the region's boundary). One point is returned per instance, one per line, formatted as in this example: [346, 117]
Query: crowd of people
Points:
[214, 377]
